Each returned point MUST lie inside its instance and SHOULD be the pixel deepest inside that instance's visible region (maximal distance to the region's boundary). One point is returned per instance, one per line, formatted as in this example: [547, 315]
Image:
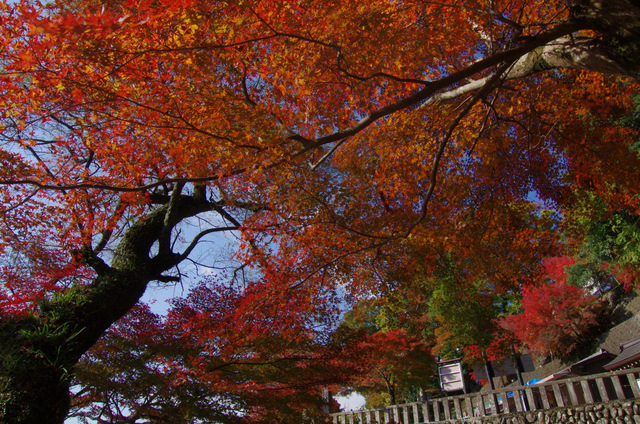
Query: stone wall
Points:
[616, 412]
[607, 398]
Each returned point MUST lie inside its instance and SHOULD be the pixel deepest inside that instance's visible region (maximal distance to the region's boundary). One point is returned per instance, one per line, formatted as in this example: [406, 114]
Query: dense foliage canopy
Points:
[346, 147]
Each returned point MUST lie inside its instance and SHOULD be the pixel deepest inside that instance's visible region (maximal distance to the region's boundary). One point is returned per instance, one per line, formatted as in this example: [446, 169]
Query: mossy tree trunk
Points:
[38, 352]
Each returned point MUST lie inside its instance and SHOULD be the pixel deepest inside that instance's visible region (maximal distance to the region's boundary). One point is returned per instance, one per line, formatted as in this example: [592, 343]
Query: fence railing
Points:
[617, 385]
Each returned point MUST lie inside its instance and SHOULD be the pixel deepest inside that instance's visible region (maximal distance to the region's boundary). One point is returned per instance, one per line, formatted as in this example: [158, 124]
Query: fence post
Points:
[602, 389]
[493, 402]
[426, 414]
[506, 408]
[586, 389]
[378, 417]
[457, 407]
[483, 412]
[545, 398]
[573, 396]
[405, 414]
[416, 413]
[558, 394]
[531, 401]
[436, 409]
[517, 397]
[617, 385]
[447, 408]
[633, 382]
[469, 405]
[396, 414]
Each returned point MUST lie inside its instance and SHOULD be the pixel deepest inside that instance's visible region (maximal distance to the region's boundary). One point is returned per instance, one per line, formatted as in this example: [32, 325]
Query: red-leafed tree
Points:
[557, 318]
[393, 362]
[217, 358]
[339, 142]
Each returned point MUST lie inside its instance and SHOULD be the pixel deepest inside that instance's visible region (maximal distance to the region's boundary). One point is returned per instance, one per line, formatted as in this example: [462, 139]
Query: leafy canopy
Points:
[342, 144]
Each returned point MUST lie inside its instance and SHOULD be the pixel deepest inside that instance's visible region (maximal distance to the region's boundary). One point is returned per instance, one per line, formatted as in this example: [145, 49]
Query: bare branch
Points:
[199, 237]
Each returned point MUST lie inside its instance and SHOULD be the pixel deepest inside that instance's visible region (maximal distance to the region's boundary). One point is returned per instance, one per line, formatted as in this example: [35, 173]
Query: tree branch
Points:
[428, 94]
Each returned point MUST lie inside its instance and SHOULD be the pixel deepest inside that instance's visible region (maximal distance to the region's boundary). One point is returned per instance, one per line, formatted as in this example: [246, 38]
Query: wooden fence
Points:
[617, 385]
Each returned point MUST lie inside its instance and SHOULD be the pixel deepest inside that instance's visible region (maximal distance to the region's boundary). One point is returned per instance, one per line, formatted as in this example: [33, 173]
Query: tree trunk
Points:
[34, 391]
[38, 352]
[34, 375]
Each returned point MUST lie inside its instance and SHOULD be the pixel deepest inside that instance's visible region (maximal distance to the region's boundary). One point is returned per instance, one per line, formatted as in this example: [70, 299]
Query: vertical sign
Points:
[451, 378]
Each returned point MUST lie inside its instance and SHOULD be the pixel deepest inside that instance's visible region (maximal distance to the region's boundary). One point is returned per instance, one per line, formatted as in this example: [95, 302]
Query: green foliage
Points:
[463, 312]
[607, 246]
[375, 399]
[365, 315]
[632, 120]
[616, 239]
[607, 234]
[588, 274]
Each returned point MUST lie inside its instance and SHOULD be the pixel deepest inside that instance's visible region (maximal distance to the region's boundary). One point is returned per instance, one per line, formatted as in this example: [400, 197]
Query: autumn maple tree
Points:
[557, 318]
[339, 142]
[393, 362]
[214, 358]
